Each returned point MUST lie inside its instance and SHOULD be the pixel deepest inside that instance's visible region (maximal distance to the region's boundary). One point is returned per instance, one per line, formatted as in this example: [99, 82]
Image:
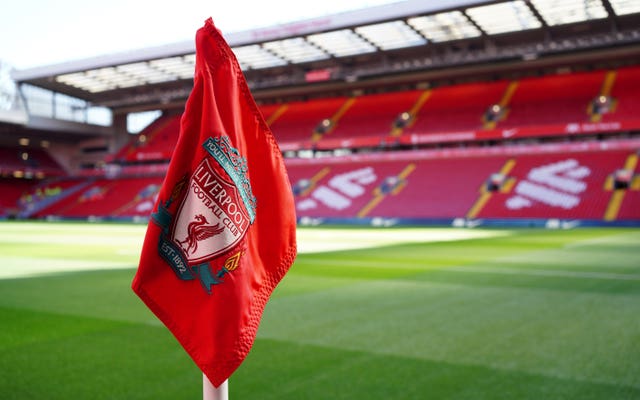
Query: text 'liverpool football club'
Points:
[216, 194]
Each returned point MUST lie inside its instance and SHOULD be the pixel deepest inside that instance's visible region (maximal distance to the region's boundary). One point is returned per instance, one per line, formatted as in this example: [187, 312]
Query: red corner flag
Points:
[223, 231]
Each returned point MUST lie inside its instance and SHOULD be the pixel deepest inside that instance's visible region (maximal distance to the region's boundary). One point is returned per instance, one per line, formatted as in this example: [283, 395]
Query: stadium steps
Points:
[485, 195]
[276, 114]
[415, 109]
[605, 91]
[618, 195]
[380, 192]
[504, 105]
[335, 118]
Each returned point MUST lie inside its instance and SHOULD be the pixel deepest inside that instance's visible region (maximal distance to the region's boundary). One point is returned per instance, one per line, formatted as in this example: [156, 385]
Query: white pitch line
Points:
[539, 272]
[328, 240]
[23, 267]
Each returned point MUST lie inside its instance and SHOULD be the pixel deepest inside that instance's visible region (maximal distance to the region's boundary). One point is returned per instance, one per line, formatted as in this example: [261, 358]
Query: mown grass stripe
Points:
[560, 334]
[554, 273]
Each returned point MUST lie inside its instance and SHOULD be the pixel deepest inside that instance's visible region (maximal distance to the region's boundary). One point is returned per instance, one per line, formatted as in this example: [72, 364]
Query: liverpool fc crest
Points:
[216, 208]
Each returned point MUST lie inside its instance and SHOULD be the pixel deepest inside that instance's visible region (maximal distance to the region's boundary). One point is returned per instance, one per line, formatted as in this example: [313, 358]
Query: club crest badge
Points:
[212, 212]
[211, 218]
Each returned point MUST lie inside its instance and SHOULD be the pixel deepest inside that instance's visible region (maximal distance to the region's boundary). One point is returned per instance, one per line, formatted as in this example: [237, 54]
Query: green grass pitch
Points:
[415, 313]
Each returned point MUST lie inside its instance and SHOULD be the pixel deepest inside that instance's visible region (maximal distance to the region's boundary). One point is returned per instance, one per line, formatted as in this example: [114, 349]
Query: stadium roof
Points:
[398, 38]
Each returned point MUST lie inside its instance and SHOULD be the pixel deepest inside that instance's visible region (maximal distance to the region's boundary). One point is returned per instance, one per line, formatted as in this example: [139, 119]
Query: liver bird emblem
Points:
[197, 231]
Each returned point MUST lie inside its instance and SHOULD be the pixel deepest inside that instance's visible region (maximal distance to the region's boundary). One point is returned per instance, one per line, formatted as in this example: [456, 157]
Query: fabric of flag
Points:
[222, 233]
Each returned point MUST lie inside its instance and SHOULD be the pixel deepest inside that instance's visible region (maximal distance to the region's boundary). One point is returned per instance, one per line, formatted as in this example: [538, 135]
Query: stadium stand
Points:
[374, 115]
[531, 107]
[301, 121]
[314, 123]
[12, 190]
[107, 198]
[535, 107]
[566, 184]
[421, 184]
[424, 123]
[457, 108]
[45, 193]
[21, 171]
[29, 161]
[406, 186]
[154, 143]
[548, 100]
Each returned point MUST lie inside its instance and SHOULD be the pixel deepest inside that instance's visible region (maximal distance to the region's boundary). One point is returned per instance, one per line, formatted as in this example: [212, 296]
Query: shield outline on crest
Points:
[192, 205]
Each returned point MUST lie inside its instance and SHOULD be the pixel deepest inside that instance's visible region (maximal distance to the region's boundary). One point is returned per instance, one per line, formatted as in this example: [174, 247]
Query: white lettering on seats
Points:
[557, 185]
[340, 190]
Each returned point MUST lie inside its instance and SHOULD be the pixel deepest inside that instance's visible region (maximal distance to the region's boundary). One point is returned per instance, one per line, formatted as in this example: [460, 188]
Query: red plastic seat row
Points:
[559, 185]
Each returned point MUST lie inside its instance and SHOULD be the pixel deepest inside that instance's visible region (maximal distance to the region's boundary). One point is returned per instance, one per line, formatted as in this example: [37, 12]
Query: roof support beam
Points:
[613, 17]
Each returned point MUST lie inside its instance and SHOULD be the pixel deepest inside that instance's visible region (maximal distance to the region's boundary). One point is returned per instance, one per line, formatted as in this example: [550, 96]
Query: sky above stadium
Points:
[41, 32]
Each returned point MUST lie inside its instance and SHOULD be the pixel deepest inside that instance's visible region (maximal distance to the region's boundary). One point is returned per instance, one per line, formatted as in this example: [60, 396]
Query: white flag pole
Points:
[209, 392]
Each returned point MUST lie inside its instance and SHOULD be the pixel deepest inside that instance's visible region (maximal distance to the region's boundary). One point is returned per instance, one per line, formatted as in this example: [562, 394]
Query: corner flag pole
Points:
[210, 392]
